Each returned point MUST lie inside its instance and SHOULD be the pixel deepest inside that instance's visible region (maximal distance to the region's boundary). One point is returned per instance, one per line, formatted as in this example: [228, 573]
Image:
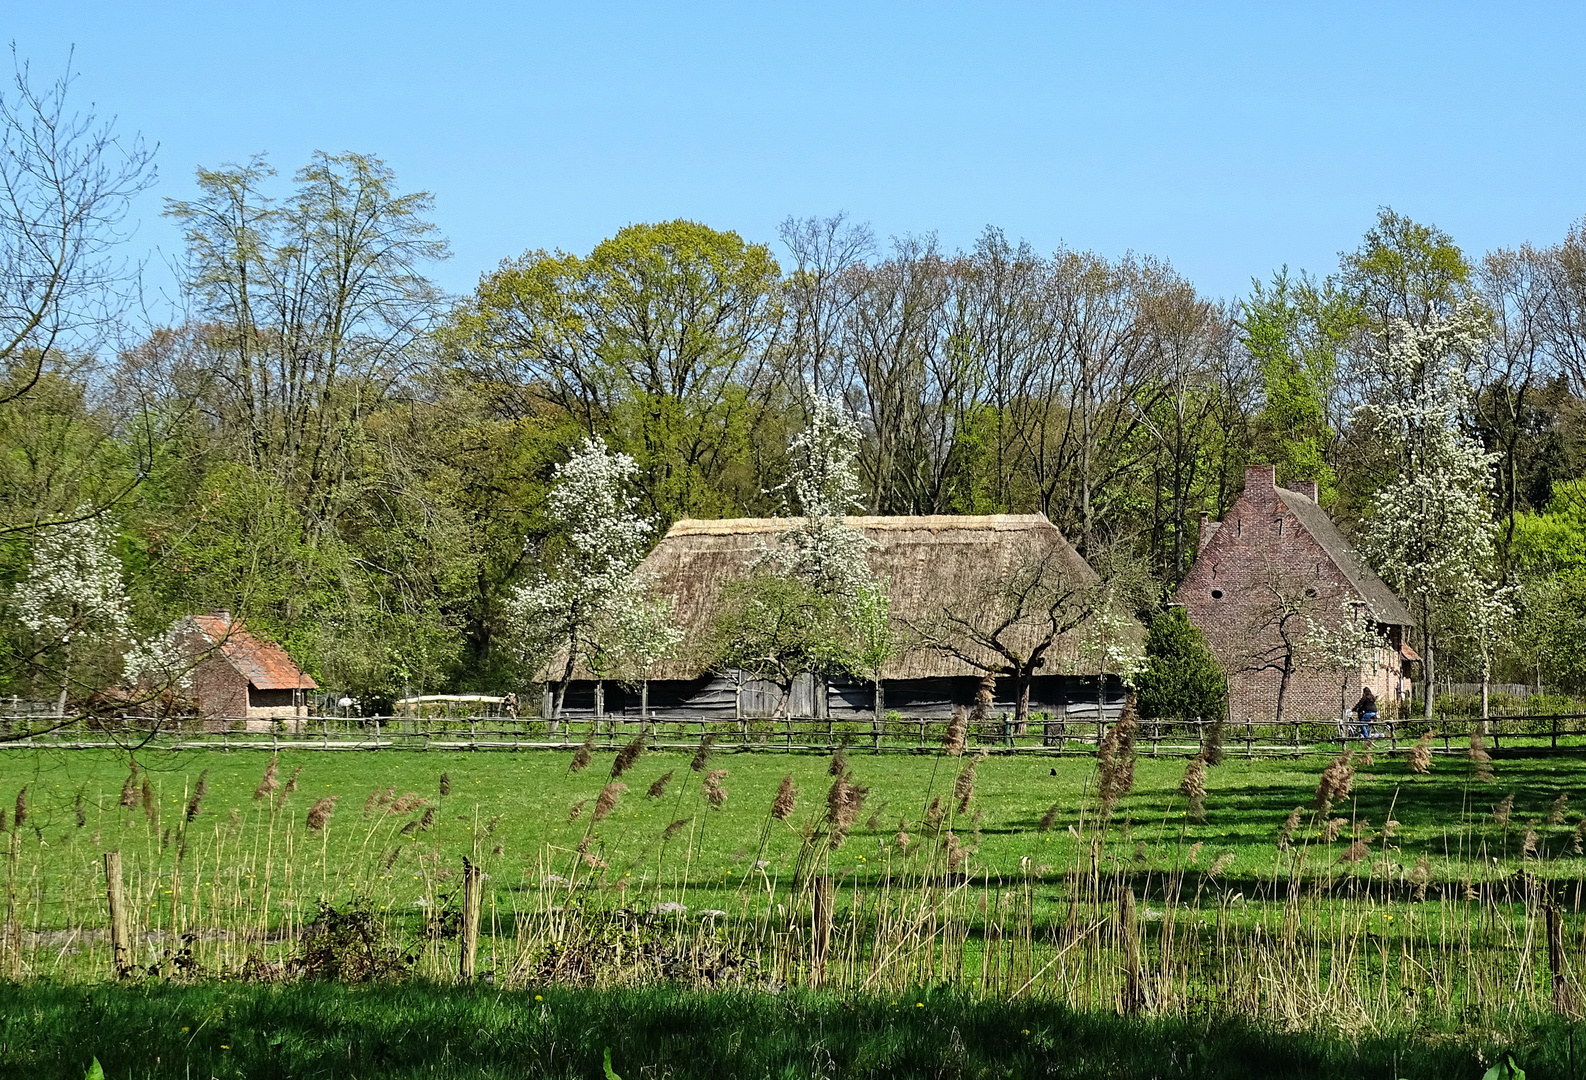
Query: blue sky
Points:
[1230, 139]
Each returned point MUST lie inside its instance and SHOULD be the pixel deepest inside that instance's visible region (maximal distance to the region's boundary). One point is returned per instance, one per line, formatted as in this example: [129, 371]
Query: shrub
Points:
[1182, 677]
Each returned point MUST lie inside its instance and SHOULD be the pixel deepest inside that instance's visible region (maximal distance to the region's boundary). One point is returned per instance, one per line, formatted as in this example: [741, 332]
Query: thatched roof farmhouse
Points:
[926, 561]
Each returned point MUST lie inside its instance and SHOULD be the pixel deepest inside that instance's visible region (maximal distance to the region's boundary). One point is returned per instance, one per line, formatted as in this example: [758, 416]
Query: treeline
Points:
[331, 447]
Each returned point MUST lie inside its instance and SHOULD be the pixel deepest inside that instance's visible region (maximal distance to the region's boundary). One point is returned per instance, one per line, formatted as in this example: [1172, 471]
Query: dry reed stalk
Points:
[1220, 865]
[321, 812]
[1358, 849]
[675, 827]
[151, 805]
[1047, 818]
[658, 788]
[371, 803]
[269, 784]
[1336, 781]
[1195, 851]
[786, 797]
[935, 814]
[702, 755]
[199, 791]
[1501, 812]
[582, 755]
[715, 794]
[1212, 746]
[1334, 829]
[22, 807]
[627, 756]
[1555, 813]
[1193, 786]
[956, 738]
[291, 783]
[1286, 833]
[1576, 837]
[446, 784]
[839, 763]
[607, 802]
[1479, 756]
[902, 840]
[1528, 848]
[428, 820]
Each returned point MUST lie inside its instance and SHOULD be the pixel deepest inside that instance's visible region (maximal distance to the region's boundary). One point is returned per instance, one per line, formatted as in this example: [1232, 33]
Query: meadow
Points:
[1411, 904]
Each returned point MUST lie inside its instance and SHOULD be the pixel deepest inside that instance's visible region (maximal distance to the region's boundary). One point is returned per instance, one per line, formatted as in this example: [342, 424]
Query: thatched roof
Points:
[927, 561]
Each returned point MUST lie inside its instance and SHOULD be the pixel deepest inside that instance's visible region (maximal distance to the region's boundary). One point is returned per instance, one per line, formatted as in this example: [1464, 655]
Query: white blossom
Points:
[821, 549]
[73, 586]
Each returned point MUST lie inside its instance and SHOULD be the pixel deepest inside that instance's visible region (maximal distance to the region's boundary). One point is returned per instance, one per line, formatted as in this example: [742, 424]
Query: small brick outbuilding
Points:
[240, 677]
[1266, 577]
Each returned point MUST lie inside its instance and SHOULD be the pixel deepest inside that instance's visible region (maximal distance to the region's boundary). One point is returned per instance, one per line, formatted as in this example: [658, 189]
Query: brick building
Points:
[238, 677]
[1265, 577]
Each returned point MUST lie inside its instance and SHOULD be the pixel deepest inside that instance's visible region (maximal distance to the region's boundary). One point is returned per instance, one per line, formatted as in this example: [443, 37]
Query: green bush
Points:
[1182, 677]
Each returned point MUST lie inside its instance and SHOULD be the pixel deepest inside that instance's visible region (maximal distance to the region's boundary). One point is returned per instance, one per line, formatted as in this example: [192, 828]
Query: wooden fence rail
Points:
[1042, 735]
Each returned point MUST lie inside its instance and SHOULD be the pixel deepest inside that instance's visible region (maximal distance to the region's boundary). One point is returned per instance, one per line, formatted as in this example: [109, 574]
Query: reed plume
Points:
[902, 840]
[786, 796]
[964, 785]
[407, 803]
[715, 794]
[446, 784]
[985, 698]
[1528, 848]
[129, 789]
[934, 815]
[199, 791]
[22, 807]
[956, 738]
[1115, 759]
[1047, 818]
[582, 755]
[1421, 754]
[1576, 837]
[839, 762]
[702, 755]
[1220, 865]
[1479, 756]
[1420, 876]
[1193, 787]
[675, 827]
[1195, 851]
[269, 784]
[1286, 833]
[1555, 813]
[428, 820]
[1501, 812]
[151, 805]
[372, 803]
[627, 756]
[607, 802]
[658, 788]
[321, 812]
[1336, 782]
[1212, 745]
[82, 814]
[1333, 829]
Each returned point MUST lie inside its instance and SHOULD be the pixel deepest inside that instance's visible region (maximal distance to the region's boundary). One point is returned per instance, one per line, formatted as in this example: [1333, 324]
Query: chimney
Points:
[1205, 534]
[1304, 487]
[1261, 478]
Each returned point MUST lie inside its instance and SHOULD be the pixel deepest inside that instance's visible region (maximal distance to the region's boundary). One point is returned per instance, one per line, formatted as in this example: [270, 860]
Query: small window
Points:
[1217, 594]
[1310, 594]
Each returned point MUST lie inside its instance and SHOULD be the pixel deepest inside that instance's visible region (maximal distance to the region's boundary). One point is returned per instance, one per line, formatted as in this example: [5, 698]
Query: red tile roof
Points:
[263, 663]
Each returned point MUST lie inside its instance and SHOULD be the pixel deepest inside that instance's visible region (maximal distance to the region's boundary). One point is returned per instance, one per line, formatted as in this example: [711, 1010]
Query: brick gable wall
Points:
[1257, 570]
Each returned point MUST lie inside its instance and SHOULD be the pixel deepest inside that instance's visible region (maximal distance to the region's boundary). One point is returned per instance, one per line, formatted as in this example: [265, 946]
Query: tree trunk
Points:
[66, 680]
[1426, 702]
[1021, 708]
[1283, 685]
[879, 714]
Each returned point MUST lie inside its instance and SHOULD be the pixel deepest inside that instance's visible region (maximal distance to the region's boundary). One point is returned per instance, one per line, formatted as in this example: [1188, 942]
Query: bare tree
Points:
[1009, 624]
[66, 183]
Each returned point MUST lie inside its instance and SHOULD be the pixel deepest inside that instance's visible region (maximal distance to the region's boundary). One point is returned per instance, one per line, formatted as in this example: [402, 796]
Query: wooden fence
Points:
[1041, 735]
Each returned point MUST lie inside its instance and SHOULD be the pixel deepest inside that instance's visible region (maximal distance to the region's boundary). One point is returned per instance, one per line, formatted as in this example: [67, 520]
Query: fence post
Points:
[1555, 956]
[120, 946]
[1554, 726]
[472, 887]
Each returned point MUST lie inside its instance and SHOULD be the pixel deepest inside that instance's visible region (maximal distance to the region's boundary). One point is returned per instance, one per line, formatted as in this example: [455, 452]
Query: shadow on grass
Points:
[415, 1029]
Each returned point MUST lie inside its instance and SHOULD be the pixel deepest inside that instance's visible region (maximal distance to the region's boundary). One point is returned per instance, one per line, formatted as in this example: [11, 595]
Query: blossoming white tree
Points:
[73, 590]
[1429, 534]
[589, 606]
[1347, 644]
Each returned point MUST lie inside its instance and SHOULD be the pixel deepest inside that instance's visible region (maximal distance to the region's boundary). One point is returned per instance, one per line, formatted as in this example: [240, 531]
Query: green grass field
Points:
[161, 1032]
[520, 804]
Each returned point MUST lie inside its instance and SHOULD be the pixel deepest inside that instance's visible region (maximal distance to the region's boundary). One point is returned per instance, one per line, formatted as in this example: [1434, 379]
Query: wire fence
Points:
[1040, 735]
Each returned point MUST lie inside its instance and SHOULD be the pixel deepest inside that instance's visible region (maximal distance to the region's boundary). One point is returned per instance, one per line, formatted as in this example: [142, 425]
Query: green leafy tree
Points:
[1182, 677]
